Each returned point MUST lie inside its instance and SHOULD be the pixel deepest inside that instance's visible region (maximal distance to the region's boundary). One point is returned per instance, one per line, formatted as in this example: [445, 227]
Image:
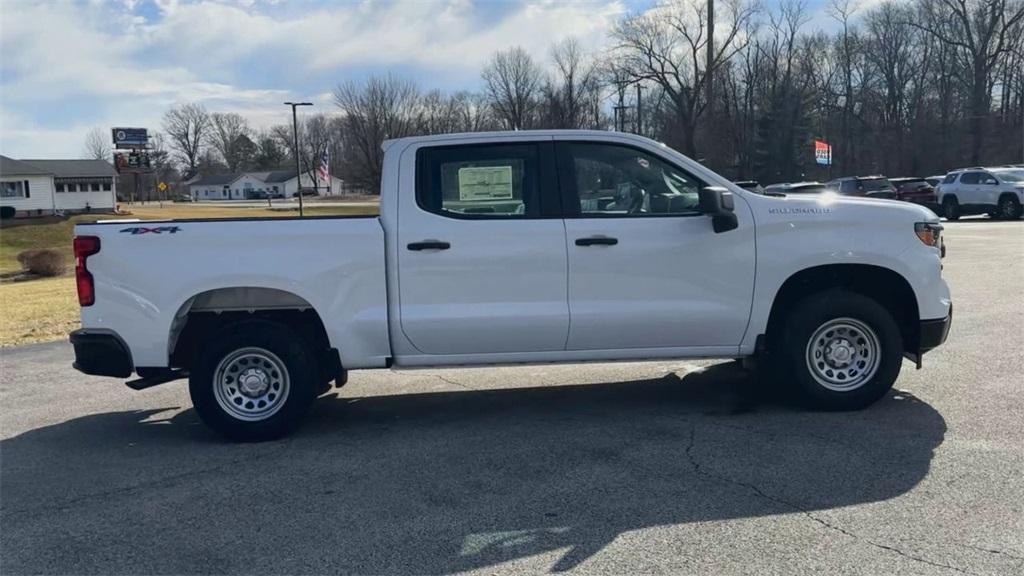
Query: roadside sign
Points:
[822, 153]
[162, 186]
[130, 137]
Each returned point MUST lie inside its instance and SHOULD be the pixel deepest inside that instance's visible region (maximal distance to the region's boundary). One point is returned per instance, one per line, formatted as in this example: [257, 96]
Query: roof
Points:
[279, 176]
[74, 168]
[12, 167]
[215, 179]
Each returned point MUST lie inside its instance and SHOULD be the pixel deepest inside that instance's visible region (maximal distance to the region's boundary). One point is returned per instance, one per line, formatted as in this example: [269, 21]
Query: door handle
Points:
[429, 245]
[597, 241]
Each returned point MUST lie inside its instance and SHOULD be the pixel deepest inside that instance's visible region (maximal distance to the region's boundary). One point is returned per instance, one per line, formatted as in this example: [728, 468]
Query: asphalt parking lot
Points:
[655, 468]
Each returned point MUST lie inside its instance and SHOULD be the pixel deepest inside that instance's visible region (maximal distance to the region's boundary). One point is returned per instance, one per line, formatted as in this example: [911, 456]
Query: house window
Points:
[15, 189]
[59, 187]
[106, 186]
[95, 186]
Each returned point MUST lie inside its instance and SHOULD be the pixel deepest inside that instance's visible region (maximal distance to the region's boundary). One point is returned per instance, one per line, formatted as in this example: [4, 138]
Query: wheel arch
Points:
[206, 312]
[884, 285]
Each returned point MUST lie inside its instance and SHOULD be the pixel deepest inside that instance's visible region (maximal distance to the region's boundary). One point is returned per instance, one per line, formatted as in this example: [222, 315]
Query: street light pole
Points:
[295, 150]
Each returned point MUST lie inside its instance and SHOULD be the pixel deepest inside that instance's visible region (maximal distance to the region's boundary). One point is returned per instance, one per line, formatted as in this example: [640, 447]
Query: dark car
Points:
[877, 186]
[798, 188]
[306, 192]
[916, 190]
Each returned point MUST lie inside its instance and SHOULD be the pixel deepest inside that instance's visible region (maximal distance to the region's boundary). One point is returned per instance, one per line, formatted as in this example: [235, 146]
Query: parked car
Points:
[256, 195]
[870, 186]
[998, 192]
[916, 190]
[798, 188]
[184, 198]
[668, 267]
[935, 180]
[306, 192]
[752, 185]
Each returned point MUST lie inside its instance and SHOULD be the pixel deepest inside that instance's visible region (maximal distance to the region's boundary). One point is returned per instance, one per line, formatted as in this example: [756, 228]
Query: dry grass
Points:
[38, 310]
[41, 310]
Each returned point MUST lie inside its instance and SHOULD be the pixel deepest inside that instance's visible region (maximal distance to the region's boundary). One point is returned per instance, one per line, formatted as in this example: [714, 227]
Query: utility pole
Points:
[709, 81]
[639, 110]
[295, 131]
[620, 117]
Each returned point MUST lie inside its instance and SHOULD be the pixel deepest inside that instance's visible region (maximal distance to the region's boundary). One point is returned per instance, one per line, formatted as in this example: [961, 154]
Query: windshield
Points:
[1014, 176]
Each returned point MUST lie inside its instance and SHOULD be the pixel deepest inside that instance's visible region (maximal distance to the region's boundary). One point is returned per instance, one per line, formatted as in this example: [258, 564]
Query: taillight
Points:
[85, 246]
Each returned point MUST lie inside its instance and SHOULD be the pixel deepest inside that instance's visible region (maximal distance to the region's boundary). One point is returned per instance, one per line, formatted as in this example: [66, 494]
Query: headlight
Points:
[931, 234]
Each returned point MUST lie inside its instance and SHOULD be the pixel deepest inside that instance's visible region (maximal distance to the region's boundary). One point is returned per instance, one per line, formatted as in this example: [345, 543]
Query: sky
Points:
[69, 66]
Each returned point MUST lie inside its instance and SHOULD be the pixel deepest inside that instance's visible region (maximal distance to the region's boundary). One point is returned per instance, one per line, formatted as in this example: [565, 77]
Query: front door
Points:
[646, 270]
[482, 262]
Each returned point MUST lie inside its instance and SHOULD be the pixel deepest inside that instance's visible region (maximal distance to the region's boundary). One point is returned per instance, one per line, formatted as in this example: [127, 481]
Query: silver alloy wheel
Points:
[843, 354]
[251, 384]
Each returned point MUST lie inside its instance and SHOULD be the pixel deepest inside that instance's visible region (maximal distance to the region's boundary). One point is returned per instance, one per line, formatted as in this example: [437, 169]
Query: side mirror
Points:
[718, 204]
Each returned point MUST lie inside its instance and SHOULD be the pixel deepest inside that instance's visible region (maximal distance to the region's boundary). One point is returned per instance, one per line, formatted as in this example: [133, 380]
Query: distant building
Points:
[257, 186]
[41, 187]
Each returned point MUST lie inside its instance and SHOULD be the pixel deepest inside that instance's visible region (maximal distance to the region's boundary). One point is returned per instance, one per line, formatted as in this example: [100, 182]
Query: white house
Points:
[257, 185]
[40, 187]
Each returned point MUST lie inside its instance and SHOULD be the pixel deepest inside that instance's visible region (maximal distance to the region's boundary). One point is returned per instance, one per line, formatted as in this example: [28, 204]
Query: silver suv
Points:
[998, 192]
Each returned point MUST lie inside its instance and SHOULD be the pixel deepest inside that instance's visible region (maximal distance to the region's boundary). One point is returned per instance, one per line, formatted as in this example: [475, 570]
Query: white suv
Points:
[998, 192]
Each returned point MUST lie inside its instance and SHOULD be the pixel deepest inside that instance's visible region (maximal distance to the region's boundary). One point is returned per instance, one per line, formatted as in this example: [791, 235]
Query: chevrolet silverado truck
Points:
[508, 248]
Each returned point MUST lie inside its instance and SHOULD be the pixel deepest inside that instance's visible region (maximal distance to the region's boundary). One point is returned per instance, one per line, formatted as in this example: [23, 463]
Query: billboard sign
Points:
[133, 161]
[822, 153]
[130, 137]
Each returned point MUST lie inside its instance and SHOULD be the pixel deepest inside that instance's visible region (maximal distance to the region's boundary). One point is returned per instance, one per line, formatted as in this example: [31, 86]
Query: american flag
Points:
[324, 172]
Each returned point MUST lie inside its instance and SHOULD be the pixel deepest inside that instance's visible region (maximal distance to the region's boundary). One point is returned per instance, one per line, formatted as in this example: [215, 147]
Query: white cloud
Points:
[65, 68]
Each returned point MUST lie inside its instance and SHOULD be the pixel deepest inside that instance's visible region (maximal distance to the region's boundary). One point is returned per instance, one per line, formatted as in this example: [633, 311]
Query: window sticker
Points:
[485, 183]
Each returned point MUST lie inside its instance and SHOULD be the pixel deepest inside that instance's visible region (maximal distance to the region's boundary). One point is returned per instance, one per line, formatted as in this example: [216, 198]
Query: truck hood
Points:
[844, 207]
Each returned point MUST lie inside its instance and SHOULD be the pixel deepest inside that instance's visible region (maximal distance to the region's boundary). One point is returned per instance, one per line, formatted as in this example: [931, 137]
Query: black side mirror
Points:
[718, 204]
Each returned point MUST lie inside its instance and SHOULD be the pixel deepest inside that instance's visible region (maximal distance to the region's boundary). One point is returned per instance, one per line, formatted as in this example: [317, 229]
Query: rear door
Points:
[646, 270]
[481, 252]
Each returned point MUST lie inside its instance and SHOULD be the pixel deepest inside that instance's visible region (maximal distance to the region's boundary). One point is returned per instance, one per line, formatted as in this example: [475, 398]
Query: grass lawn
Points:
[47, 309]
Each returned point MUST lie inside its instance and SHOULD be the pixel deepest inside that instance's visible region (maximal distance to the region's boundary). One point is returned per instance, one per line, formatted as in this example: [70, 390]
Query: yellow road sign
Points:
[162, 186]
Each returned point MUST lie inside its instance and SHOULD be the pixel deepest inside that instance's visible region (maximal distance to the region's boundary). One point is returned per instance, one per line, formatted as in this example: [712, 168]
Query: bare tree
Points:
[383, 107]
[979, 33]
[229, 135]
[186, 126]
[668, 46]
[97, 145]
[512, 81]
[569, 93]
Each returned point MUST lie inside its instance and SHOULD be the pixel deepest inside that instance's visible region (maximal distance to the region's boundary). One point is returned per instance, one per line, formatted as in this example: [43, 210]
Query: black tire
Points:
[868, 326]
[1009, 208]
[282, 368]
[950, 208]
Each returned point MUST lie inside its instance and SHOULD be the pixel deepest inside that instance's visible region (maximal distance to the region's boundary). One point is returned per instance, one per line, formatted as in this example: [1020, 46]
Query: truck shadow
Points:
[439, 483]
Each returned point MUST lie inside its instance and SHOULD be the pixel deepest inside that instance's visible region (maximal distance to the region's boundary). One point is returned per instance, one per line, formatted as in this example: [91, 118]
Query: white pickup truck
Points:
[507, 248]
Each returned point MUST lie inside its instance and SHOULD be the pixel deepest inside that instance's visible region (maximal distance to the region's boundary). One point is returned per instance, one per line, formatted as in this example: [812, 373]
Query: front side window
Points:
[949, 179]
[612, 180]
[480, 181]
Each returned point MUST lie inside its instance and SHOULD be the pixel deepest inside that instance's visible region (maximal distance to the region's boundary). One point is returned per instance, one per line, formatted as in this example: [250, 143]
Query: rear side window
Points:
[970, 178]
[480, 181]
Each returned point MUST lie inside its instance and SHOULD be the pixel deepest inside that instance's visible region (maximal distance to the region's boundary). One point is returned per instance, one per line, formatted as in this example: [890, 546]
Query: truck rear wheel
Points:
[841, 351]
[1009, 208]
[254, 381]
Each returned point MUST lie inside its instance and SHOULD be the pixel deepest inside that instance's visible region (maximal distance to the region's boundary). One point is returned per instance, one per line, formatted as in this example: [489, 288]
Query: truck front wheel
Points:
[841, 350]
[254, 381]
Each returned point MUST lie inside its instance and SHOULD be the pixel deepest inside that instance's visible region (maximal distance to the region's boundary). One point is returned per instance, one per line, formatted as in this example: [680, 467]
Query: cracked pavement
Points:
[641, 468]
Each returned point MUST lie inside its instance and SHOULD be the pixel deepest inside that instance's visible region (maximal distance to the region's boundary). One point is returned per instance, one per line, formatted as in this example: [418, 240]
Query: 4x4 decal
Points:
[156, 230]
